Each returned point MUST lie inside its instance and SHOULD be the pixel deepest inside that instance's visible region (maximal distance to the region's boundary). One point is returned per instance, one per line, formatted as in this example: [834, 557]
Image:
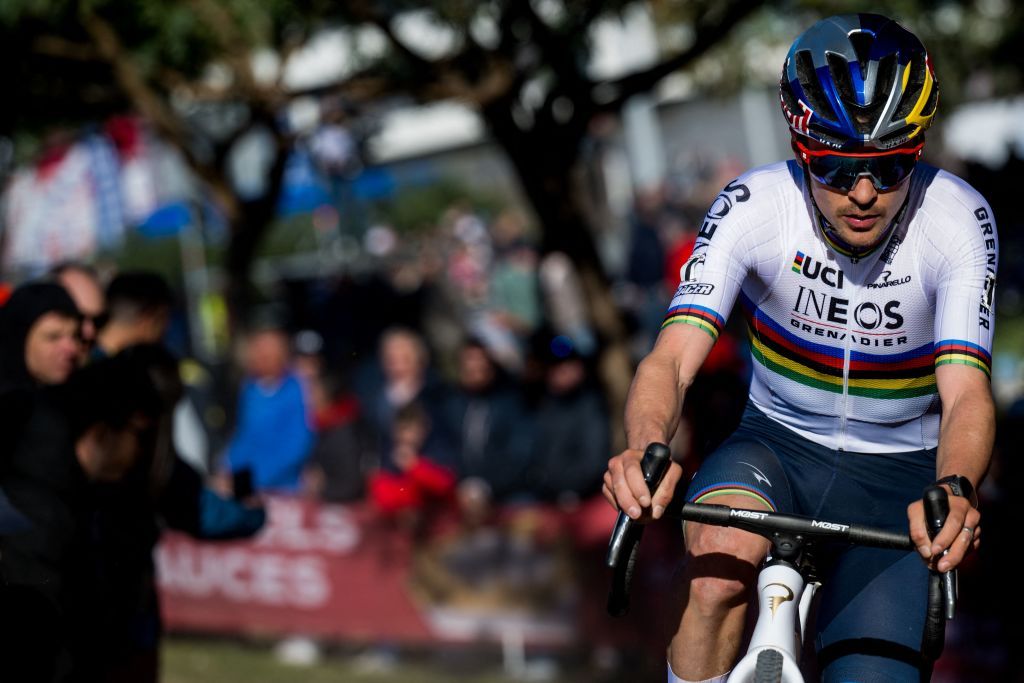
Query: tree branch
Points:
[708, 35]
[362, 11]
[62, 48]
[581, 21]
[149, 103]
[233, 42]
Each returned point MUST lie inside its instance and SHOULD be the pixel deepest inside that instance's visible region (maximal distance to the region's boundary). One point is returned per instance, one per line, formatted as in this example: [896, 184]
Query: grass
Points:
[192, 660]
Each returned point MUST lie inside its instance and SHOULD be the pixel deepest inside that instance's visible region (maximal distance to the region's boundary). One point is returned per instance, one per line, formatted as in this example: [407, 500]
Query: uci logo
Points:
[833, 277]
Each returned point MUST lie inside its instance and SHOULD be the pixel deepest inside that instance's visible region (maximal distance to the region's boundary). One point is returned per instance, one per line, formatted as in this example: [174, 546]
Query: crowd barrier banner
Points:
[343, 573]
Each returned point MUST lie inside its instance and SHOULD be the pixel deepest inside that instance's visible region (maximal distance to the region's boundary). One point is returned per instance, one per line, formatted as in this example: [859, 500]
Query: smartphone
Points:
[241, 483]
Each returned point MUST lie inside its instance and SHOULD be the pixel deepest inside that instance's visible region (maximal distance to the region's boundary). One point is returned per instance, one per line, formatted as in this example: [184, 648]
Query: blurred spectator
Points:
[272, 436]
[38, 349]
[138, 312]
[416, 482]
[565, 304]
[82, 282]
[309, 360]
[139, 305]
[404, 376]
[136, 485]
[571, 442]
[491, 427]
[38, 337]
[126, 499]
[469, 258]
[96, 475]
[340, 461]
[513, 308]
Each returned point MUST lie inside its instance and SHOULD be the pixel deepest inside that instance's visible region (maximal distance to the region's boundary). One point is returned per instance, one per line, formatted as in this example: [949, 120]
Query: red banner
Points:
[343, 573]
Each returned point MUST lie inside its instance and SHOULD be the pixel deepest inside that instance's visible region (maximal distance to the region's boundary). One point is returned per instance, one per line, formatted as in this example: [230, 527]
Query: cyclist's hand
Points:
[625, 488]
[960, 534]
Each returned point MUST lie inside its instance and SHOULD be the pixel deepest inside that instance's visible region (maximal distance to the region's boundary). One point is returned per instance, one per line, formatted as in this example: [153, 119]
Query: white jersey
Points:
[844, 348]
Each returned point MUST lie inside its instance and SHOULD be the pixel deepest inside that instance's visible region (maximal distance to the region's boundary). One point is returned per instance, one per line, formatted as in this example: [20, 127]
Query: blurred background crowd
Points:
[399, 262]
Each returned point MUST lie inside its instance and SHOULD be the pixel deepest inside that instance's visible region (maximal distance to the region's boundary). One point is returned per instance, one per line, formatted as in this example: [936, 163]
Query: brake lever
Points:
[625, 538]
[936, 509]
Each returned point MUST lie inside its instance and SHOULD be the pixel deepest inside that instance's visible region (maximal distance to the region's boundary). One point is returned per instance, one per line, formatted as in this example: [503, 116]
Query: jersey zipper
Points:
[847, 355]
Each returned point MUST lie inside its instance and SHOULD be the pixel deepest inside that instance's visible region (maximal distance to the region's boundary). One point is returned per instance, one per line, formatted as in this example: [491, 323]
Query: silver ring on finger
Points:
[970, 533]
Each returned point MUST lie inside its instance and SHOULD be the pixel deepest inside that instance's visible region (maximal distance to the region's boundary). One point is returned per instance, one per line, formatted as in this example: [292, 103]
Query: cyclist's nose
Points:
[863, 191]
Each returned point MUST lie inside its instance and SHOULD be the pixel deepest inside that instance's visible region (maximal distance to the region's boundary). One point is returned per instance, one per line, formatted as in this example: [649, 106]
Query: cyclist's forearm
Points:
[655, 402]
[966, 436]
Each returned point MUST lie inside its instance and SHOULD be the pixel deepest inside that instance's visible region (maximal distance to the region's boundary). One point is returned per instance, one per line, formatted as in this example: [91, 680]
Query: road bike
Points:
[788, 580]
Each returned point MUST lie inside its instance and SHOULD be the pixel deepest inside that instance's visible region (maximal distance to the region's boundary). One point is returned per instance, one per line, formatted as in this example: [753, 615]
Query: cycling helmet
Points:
[858, 80]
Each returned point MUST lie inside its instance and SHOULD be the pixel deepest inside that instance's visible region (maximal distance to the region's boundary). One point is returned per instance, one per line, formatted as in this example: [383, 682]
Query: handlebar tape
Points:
[941, 586]
[936, 506]
[625, 538]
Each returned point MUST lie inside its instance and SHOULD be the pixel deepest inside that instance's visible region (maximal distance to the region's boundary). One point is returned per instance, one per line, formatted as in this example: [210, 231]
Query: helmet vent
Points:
[892, 140]
[912, 92]
[933, 100]
[862, 42]
[790, 100]
[812, 89]
[825, 135]
[840, 70]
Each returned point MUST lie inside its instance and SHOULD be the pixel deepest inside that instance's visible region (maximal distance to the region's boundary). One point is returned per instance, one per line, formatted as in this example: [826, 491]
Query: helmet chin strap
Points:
[833, 239]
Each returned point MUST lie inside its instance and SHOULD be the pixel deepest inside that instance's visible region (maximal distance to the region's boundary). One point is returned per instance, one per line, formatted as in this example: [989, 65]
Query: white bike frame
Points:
[784, 606]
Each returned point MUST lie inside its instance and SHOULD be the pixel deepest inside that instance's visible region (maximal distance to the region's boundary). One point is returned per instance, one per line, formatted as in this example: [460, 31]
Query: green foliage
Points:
[287, 236]
[417, 209]
[972, 44]
[161, 255]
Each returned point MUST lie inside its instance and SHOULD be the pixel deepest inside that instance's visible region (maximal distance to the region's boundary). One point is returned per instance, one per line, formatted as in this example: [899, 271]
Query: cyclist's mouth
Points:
[861, 221]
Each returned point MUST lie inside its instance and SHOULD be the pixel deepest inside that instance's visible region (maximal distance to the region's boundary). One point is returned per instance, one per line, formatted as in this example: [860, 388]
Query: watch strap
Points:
[960, 486]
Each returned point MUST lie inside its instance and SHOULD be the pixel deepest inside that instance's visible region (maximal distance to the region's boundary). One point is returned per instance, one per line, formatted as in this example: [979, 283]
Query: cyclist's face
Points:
[861, 214]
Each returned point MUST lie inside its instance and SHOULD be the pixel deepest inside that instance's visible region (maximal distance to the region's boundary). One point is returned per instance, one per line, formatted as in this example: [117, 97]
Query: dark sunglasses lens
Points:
[894, 169]
[842, 172]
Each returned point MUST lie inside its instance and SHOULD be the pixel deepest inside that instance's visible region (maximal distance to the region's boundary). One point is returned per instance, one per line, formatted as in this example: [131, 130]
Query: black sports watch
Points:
[960, 486]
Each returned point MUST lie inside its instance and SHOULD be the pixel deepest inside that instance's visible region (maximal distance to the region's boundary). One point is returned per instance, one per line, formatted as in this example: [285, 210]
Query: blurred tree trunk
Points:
[249, 223]
[551, 171]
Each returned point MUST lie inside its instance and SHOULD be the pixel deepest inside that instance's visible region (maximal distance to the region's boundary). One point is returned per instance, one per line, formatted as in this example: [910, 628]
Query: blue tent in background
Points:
[304, 188]
[167, 221]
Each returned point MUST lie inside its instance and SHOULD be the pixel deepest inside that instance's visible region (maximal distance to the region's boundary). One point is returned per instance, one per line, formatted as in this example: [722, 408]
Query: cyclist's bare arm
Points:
[652, 415]
[966, 436]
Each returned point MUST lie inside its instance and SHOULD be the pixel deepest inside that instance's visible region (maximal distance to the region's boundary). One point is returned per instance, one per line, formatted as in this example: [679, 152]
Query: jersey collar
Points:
[835, 242]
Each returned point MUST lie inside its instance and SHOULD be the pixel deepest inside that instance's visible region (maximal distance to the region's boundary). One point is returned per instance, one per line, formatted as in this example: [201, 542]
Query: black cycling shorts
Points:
[872, 602]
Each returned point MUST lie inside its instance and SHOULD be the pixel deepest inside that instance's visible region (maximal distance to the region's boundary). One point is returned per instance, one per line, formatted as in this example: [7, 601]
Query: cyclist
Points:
[867, 280]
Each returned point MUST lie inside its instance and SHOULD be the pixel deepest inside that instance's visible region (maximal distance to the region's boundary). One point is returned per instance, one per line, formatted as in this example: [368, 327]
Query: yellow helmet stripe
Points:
[915, 116]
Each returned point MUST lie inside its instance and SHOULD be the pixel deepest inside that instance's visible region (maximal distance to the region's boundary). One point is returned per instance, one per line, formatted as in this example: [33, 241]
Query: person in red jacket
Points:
[408, 483]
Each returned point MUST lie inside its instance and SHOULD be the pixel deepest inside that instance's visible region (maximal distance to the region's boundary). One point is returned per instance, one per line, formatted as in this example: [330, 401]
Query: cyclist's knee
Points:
[721, 567]
[711, 594]
[714, 541]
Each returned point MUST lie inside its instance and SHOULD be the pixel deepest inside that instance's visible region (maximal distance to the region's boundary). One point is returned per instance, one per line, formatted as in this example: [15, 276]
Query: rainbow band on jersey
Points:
[798, 261]
[733, 488]
[960, 352]
[698, 316]
[889, 376]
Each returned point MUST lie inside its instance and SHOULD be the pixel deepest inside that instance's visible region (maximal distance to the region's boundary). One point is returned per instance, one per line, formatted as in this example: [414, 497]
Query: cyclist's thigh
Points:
[742, 473]
[871, 617]
[746, 467]
[872, 609]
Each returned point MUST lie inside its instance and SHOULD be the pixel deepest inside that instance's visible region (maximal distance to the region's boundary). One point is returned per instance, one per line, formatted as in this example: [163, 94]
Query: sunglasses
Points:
[841, 170]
